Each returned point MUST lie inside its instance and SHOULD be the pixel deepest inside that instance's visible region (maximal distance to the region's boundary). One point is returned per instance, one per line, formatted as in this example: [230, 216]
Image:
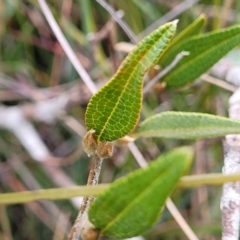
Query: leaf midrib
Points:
[179, 129]
[180, 68]
[163, 115]
[127, 83]
[116, 105]
[137, 198]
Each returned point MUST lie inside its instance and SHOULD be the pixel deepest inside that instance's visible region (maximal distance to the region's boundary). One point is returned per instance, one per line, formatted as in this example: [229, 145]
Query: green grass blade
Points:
[52, 194]
[193, 29]
[205, 50]
[73, 32]
[89, 26]
[182, 125]
[114, 110]
[133, 204]
[192, 181]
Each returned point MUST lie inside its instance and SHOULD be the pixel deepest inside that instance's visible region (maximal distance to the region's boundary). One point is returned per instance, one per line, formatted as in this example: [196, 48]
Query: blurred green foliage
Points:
[31, 55]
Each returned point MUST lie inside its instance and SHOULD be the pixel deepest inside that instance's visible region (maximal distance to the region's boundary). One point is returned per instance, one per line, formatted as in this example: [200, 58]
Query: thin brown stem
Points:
[82, 227]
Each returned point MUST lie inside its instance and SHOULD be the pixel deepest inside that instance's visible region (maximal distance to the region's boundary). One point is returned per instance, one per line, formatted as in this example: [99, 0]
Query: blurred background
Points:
[43, 103]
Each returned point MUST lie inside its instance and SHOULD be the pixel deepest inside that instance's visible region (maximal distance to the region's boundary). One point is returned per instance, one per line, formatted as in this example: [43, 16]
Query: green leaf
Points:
[193, 29]
[205, 50]
[133, 204]
[114, 110]
[184, 125]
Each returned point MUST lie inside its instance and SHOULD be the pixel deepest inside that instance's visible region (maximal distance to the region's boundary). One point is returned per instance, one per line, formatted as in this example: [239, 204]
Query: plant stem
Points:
[82, 224]
[230, 202]
[165, 71]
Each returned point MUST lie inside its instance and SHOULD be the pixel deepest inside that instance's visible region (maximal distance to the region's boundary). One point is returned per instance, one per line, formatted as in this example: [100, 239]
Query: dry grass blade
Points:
[4, 222]
[121, 23]
[169, 204]
[67, 48]
[218, 82]
[168, 16]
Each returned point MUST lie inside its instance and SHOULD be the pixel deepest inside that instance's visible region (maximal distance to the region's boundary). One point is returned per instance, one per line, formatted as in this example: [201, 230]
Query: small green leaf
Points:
[205, 50]
[114, 110]
[193, 29]
[133, 204]
[183, 125]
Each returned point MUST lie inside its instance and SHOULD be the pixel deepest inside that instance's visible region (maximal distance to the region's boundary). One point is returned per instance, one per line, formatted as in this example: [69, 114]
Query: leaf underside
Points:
[133, 204]
[183, 125]
[205, 50]
[114, 110]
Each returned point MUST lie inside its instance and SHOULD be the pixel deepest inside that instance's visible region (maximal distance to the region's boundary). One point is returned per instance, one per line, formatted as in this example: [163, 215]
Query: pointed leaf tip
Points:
[133, 204]
[205, 49]
[175, 22]
[114, 110]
